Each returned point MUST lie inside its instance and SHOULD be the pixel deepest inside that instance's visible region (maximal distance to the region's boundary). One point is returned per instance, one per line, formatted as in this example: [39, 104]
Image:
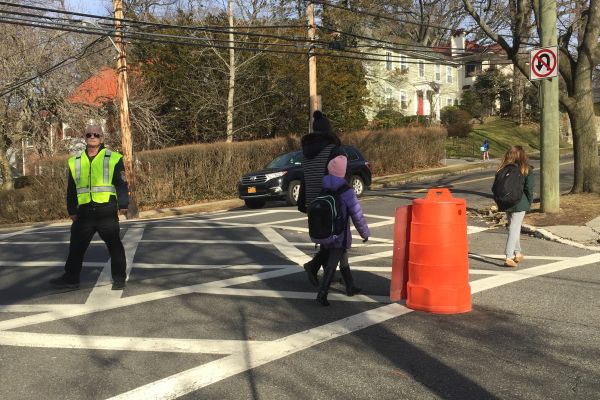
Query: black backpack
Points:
[508, 187]
[326, 221]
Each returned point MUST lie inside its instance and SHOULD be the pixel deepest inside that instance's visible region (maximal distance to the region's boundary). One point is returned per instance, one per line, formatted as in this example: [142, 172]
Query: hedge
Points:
[194, 173]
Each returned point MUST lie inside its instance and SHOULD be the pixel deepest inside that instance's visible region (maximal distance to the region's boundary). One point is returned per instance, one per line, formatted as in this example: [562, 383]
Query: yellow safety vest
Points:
[93, 180]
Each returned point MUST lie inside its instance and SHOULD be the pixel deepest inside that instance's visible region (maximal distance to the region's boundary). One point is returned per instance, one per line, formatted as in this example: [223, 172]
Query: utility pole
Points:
[550, 187]
[231, 93]
[315, 100]
[123, 90]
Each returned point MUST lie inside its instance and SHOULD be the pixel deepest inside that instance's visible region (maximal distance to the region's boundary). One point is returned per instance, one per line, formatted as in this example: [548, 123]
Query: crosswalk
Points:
[280, 230]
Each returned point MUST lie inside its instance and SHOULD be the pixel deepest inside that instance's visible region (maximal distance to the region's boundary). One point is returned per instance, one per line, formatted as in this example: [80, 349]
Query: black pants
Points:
[320, 258]
[335, 256]
[105, 221]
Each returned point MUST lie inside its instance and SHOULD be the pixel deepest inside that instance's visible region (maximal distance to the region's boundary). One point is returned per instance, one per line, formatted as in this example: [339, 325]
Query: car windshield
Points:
[286, 160]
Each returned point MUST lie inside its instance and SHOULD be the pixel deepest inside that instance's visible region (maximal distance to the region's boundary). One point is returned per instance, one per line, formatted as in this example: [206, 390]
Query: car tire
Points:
[358, 184]
[255, 203]
[293, 192]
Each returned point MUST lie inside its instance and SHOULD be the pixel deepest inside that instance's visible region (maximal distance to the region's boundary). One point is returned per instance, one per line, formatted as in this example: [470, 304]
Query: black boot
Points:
[311, 269]
[351, 290]
[322, 299]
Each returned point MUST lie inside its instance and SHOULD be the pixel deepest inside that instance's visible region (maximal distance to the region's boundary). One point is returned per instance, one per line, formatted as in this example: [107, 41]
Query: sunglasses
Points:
[89, 135]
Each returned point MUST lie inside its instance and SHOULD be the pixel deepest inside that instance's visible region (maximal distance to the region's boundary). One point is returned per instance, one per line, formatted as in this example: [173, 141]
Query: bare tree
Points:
[579, 56]
[36, 72]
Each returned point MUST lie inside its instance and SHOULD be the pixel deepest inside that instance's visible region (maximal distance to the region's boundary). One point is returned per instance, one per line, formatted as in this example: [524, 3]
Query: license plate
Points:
[251, 189]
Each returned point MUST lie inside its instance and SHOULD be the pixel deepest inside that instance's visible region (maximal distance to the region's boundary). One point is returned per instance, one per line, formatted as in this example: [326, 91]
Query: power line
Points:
[300, 40]
[65, 62]
[138, 36]
[197, 42]
[382, 16]
[125, 21]
[285, 38]
[43, 42]
[417, 47]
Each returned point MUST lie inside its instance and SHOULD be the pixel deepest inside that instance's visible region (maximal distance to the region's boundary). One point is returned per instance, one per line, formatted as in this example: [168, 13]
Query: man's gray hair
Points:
[93, 129]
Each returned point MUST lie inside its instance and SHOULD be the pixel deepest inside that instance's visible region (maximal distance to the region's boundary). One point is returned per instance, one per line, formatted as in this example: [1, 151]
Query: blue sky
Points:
[96, 7]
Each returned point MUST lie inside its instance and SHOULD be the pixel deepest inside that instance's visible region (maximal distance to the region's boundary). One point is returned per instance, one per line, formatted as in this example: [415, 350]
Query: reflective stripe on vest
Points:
[93, 180]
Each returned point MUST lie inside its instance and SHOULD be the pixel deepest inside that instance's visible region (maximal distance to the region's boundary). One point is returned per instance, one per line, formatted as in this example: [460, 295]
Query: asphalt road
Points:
[217, 307]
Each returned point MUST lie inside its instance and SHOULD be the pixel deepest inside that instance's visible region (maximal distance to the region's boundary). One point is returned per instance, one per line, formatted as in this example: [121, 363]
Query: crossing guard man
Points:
[96, 192]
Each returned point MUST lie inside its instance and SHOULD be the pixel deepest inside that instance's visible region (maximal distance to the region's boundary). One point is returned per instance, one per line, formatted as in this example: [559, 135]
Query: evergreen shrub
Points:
[457, 121]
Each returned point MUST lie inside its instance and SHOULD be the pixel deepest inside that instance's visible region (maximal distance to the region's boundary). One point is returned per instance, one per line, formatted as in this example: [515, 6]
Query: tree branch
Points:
[589, 43]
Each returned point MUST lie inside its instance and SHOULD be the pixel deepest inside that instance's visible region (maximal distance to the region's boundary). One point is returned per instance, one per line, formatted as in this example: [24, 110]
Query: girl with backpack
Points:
[516, 156]
[338, 249]
[485, 150]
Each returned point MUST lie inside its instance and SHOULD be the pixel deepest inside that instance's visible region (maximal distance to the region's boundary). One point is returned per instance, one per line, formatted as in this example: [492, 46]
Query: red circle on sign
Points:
[550, 67]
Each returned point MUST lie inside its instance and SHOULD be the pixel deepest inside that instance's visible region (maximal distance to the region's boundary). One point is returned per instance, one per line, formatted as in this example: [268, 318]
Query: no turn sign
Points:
[543, 63]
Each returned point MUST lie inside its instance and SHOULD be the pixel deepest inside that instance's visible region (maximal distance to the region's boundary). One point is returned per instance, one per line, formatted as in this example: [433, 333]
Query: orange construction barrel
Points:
[438, 263]
[400, 253]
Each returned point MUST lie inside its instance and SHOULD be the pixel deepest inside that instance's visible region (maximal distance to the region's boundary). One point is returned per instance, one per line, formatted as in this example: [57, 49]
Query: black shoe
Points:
[311, 272]
[353, 290]
[118, 285]
[322, 299]
[348, 280]
[62, 283]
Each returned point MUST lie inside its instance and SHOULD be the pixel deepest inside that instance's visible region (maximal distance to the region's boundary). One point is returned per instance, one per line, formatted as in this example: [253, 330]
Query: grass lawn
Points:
[500, 133]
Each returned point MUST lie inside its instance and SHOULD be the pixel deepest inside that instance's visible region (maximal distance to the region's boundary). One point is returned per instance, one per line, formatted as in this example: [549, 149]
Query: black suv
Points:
[280, 180]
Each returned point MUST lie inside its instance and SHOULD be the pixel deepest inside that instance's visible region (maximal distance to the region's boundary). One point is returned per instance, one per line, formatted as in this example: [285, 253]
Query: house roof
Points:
[96, 90]
[471, 48]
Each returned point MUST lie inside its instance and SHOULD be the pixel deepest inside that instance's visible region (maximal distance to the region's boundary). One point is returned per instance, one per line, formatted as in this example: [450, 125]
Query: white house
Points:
[423, 82]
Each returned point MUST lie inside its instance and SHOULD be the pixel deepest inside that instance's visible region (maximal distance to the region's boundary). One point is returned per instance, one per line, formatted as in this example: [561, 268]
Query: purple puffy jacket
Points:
[351, 207]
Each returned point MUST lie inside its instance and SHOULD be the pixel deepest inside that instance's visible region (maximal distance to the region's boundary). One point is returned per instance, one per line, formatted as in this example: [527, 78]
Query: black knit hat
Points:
[321, 123]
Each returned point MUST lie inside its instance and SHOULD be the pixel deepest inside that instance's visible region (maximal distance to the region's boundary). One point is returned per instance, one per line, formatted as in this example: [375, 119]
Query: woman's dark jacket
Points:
[525, 203]
[318, 149]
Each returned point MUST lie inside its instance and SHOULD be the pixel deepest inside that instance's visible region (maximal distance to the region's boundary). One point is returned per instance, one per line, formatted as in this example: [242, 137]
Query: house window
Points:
[29, 143]
[449, 101]
[448, 74]
[403, 64]
[403, 100]
[472, 68]
[388, 60]
[421, 69]
[388, 96]
[438, 72]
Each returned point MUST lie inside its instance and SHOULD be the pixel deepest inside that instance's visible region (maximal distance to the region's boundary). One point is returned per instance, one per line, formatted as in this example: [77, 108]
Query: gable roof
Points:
[96, 90]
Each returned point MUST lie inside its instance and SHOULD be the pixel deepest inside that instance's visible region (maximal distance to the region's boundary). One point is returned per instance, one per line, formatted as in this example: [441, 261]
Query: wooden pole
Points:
[314, 100]
[123, 91]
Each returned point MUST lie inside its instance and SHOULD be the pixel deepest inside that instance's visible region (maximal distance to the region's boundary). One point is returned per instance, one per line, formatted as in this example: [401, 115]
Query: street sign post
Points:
[543, 63]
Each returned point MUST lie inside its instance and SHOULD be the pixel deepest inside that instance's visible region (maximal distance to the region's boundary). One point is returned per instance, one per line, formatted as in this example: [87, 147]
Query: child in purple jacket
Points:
[338, 251]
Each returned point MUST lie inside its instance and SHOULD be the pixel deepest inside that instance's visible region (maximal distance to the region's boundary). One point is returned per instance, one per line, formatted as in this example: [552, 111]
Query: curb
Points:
[218, 205]
[419, 176]
[544, 234]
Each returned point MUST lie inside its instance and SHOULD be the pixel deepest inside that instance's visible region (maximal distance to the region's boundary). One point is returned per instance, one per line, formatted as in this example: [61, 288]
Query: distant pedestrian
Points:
[517, 160]
[485, 150]
[338, 250]
[96, 192]
[318, 148]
